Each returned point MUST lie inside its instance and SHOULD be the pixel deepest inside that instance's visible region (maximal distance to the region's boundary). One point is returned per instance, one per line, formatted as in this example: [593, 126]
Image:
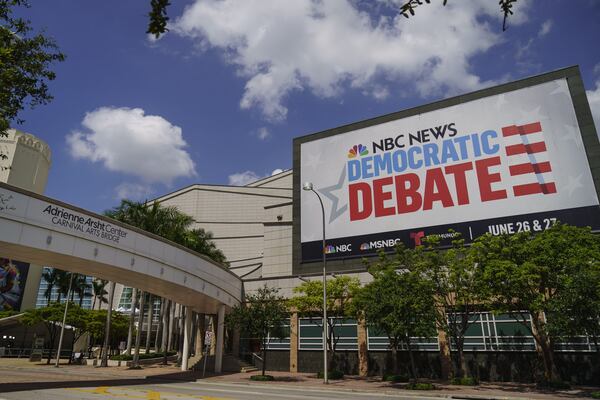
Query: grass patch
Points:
[465, 381]
[394, 378]
[333, 375]
[420, 386]
[125, 357]
[553, 385]
[262, 378]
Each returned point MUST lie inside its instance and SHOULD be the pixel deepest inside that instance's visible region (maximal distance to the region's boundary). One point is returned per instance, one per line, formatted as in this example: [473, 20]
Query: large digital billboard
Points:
[504, 163]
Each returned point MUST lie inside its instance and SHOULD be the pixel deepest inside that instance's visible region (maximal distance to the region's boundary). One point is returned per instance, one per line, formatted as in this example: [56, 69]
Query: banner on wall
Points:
[501, 164]
[13, 275]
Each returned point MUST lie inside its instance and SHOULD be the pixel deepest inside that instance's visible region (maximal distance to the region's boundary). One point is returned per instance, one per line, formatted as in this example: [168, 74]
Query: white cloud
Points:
[263, 133]
[126, 140]
[246, 177]
[327, 46]
[545, 28]
[243, 178]
[133, 191]
[594, 100]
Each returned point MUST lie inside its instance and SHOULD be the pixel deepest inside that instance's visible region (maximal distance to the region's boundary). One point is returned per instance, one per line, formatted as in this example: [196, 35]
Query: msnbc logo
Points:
[357, 150]
[365, 246]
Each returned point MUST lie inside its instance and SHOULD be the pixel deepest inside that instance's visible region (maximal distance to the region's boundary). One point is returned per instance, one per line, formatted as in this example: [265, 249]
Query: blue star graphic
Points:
[328, 192]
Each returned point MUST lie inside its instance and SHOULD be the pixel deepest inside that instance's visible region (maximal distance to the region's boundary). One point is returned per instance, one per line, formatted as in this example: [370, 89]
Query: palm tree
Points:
[62, 283]
[51, 278]
[99, 288]
[169, 223]
[81, 286]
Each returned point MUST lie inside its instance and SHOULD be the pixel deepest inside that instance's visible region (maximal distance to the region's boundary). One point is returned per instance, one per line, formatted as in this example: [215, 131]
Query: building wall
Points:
[28, 162]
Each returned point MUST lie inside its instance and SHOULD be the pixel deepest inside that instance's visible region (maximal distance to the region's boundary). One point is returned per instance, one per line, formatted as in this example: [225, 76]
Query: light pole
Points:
[64, 321]
[308, 186]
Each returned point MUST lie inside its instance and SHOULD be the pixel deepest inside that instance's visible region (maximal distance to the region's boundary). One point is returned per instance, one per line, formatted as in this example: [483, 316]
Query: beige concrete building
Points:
[26, 166]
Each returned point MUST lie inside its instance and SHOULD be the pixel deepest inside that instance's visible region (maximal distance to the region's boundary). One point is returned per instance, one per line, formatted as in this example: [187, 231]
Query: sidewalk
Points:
[508, 391]
[20, 374]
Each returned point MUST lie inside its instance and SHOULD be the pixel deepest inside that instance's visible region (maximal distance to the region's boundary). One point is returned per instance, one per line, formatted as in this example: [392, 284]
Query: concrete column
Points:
[138, 335]
[294, 326]
[187, 333]
[131, 320]
[171, 325]
[165, 326]
[220, 334]
[363, 350]
[150, 317]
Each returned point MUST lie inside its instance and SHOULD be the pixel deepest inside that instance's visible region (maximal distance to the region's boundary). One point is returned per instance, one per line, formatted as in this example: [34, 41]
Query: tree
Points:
[459, 290]
[25, 60]
[398, 302]
[157, 17]
[51, 316]
[99, 289]
[169, 223]
[51, 279]
[309, 302]
[118, 328]
[262, 315]
[530, 274]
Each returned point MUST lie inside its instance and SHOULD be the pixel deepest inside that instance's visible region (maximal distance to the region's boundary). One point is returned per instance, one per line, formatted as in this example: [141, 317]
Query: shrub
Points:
[420, 386]
[595, 395]
[262, 378]
[465, 381]
[334, 375]
[395, 378]
[553, 385]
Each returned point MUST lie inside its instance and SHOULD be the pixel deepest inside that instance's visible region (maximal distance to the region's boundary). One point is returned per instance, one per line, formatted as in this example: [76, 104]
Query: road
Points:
[201, 390]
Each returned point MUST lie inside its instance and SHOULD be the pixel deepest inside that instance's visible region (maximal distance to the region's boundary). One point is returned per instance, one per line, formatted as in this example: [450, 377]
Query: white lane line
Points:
[341, 392]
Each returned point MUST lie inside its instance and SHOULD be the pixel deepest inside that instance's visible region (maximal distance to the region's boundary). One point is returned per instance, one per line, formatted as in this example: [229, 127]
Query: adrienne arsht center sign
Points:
[501, 164]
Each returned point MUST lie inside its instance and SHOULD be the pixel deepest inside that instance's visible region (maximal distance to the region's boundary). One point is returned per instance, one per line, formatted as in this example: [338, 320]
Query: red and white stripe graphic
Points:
[528, 159]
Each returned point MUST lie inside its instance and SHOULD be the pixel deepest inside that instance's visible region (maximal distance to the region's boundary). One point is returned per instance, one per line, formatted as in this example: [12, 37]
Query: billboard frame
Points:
[583, 114]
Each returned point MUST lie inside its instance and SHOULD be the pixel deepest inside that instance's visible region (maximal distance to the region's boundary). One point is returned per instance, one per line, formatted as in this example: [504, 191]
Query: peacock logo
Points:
[365, 246]
[357, 150]
[329, 249]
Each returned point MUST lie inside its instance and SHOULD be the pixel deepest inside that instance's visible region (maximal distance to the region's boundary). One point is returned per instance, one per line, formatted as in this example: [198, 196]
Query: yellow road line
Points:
[144, 394]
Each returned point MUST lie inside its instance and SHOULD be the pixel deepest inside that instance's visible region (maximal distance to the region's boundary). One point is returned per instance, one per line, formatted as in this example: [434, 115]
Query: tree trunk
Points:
[461, 365]
[413, 370]
[395, 358]
[131, 320]
[264, 353]
[544, 347]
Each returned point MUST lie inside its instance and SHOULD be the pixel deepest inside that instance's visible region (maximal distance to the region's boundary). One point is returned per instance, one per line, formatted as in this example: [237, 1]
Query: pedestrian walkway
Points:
[301, 381]
[22, 375]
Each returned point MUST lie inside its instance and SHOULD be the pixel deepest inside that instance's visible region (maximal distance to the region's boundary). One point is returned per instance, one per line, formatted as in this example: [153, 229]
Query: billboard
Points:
[503, 163]
[13, 275]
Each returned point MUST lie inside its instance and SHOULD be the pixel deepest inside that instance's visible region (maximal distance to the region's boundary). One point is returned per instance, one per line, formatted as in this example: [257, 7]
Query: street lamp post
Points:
[64, 321]
[308, 186]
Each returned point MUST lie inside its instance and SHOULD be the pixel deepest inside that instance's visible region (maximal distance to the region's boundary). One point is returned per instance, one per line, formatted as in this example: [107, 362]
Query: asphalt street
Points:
[201, 390]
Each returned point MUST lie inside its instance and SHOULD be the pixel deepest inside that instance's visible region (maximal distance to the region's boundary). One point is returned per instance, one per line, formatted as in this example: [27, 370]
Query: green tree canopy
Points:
[25, 60]
[262, 315]
[533, 274]
[399, 302]
[340, 292]
[458, 286]
[167, 222]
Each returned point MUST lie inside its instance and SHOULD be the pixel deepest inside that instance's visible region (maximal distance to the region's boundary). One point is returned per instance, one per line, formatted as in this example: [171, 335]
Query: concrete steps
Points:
[230, 364]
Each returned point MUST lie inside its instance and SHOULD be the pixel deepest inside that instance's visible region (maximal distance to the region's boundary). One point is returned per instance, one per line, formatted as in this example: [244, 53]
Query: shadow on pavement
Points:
[175, 377]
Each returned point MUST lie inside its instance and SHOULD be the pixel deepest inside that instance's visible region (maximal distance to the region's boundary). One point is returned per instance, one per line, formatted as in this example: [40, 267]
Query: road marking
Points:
[142, 393]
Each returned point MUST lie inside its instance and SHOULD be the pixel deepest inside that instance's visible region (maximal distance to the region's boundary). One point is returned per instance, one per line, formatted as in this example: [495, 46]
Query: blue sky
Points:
[219, 98]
